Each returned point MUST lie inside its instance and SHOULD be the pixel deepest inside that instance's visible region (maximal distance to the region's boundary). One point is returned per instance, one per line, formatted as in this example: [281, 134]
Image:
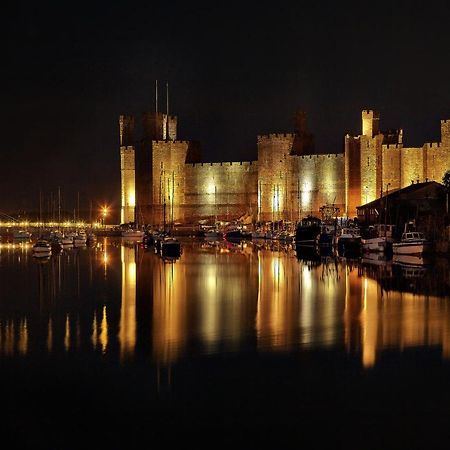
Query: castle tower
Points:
[370, 123]
[127, 168]
[304, 141]
[352, 170]
[170, 128]
[445, 132]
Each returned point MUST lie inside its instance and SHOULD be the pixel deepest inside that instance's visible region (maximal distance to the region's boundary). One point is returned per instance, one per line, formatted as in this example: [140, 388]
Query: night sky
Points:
[235, 70]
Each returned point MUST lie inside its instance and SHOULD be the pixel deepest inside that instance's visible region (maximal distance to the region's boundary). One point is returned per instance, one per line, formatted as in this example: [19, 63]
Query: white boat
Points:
[213, 234]
[22, 235]
[42, 248]
[259, 234]
[379, 238]
[133, 233]
[412, 243]
[67, 241]
[80, 239]
[349, 239]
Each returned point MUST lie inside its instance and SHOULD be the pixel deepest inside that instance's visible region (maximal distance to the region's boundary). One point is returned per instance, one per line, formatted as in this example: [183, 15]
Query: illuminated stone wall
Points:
[391, 169]
[275, 176]
[445, 133]
[320, 181]
[128, 188]
[168, 174]
[288, 181]
[352, 168]
[225, 190]
[291, 187]
[384, 163]
[437, 160]
[412, 165]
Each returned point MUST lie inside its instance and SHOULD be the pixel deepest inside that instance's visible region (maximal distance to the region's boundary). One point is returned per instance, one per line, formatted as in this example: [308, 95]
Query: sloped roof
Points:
[427, 189]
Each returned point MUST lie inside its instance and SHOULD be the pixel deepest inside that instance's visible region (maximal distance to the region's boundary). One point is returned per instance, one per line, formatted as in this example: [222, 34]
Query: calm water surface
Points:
[253, 343]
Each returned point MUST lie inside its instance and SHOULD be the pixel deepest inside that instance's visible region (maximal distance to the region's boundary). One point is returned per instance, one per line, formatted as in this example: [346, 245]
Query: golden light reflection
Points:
[67, 334]
[127, 333]
[169, 311]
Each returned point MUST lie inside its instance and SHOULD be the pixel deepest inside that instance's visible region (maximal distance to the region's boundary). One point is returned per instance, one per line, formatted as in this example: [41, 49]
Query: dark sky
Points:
[235, 71]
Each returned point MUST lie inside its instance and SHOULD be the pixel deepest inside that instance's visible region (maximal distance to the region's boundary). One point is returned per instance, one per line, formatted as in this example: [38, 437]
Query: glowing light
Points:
[131, 198]
[211, 187]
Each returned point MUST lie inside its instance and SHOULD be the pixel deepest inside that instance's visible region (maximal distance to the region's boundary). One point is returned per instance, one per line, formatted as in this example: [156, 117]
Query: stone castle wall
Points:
[412, 165]
[128, 185]
[276, 170]
[391, 167]
[168, 174]
[386, 164]
[222, 191]
[291, 186]
[288, 181]
[320, 181]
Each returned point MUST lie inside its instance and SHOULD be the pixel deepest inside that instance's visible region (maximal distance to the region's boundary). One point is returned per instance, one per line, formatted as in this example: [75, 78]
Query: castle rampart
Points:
[163, 177]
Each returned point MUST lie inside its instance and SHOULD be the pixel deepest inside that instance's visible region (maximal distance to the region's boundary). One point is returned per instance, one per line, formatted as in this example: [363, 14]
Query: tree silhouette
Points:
[446, 183]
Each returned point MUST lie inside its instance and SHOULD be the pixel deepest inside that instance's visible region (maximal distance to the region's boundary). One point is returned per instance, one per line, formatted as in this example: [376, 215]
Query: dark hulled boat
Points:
[307, 231]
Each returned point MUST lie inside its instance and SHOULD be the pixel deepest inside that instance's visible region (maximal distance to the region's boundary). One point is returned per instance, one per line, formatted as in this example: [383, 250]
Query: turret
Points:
[370, 122]
[126, 130]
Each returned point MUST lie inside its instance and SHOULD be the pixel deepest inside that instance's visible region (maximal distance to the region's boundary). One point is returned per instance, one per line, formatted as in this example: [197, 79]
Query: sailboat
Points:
[213, 233]
[42, 247]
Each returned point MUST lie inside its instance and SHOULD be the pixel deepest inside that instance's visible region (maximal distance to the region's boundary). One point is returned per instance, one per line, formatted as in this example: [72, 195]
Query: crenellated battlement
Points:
[222, 164]
[391, 146]
[127, 148]
[325, 155]
[445, 121]
[433, 144]
[172, 142]
[262, 137]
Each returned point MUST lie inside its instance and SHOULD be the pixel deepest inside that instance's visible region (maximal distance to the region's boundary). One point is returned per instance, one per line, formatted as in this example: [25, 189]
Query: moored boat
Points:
[236, 234]
[308, 231]
[349, 240]
[132, 233]
[378, 238]
[42, 248]
[170, 247]
[411, 243]
[22, 235]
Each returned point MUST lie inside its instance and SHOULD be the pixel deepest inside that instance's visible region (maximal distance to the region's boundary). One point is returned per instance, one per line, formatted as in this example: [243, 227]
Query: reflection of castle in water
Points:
[125, 302]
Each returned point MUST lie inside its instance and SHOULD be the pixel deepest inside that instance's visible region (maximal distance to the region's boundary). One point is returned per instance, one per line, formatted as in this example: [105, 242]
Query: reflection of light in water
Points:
[274, 306]
[210, 308]
[23, 337]
[369, 322]
[94, 336]
[127, 333]
[67, 334]
[49, 335]
[169, 310]
[14, 337]
[103, 338]
[306, 306]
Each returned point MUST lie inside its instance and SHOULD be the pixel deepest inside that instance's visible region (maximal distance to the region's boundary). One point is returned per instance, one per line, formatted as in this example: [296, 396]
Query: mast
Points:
[40, 212]
[173, 196]
[156, 96]
[59, 208]
[167, 111]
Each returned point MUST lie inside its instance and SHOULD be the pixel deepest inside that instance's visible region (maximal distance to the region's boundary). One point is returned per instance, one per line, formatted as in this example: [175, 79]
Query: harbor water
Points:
[250, 345]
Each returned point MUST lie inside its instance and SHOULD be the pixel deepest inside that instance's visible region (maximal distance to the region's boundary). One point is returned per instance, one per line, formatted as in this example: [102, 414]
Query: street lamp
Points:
[104, 214]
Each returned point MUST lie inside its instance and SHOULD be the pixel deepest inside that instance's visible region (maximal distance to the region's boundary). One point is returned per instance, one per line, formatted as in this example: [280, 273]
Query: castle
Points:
[163, 180]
